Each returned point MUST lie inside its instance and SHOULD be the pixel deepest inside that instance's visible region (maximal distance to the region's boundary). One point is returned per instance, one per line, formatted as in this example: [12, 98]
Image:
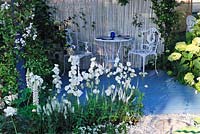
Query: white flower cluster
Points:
[10, 111]
[10, 98]
[123, 75]
[7, 100]
[53, 106]
[34, 82]
[5, 6]
[96, 129]
[29, 32]
[75, 78]
[56, 78]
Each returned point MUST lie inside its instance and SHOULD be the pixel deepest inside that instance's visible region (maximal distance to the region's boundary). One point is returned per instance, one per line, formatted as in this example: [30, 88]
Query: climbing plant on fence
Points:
[166, 19]
[19, 40]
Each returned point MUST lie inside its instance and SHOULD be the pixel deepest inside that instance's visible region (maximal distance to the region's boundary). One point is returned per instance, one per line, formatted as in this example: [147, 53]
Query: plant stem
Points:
[14, 125]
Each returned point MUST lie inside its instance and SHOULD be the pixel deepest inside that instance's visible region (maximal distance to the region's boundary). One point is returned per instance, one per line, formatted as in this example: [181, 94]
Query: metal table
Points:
[118, 41]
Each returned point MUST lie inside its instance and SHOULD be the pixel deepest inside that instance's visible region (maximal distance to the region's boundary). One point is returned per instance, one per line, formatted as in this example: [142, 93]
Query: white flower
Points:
[112, 86]
[33, 110]
[85, 75]
[117, 60]
[16, 4]
[108, 91]
[10, 111]
[5, 6]
[128, 64]
[67, 88]
[96, 91]
[132, 75]
[77, 93]
[34, 36]
[146, 86]
[93, 59]
[8, 99]
[56, 69]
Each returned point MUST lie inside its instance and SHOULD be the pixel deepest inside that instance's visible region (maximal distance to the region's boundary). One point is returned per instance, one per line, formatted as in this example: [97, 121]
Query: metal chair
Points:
[80, 48]
[150, 39]
[190, 22]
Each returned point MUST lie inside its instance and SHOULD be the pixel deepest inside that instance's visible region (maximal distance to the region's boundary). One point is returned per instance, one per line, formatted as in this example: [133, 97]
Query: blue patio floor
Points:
[164, 95]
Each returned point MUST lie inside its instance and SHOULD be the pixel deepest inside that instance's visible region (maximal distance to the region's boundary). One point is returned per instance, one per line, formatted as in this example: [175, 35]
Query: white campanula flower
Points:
[128, 64]
[67, 88]
[132, 75]
[108, 91]
[56, 69]
[96, 91]
[118, 79]
[77, 93]
[74, 60]
[92, 65]
[10, 111]
[112, 86]
[93, 59]
[24, 35]
[5, 6]
[85, 75]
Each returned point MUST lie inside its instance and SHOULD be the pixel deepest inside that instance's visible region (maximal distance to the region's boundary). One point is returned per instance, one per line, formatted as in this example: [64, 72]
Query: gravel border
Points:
[162, 124]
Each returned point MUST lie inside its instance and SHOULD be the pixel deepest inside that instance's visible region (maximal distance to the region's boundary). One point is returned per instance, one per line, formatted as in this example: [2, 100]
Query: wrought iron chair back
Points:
[190, 22]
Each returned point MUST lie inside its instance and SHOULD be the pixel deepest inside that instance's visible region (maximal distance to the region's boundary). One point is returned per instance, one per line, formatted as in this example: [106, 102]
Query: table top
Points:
[119, 38]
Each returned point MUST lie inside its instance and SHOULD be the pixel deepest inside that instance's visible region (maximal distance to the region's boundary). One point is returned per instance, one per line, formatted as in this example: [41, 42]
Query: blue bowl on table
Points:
[112, 35]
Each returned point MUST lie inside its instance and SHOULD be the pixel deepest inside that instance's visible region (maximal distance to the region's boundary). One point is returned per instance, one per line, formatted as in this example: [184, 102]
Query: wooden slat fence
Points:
[108, 15]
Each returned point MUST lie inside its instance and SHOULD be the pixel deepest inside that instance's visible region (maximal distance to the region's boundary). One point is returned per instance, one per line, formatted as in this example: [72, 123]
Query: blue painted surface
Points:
[164, 94]
[22, 73]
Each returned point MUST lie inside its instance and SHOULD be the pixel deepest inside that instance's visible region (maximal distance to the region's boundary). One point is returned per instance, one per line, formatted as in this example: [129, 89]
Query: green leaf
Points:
[196, 63]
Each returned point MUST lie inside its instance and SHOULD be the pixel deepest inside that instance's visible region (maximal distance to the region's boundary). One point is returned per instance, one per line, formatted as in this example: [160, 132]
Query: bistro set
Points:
[112, 45]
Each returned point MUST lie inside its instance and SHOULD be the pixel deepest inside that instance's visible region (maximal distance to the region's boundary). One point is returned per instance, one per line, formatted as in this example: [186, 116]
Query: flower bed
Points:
[104, 108]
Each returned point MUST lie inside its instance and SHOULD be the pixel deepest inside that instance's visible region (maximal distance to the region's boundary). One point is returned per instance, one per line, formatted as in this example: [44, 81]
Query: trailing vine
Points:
[19, 39]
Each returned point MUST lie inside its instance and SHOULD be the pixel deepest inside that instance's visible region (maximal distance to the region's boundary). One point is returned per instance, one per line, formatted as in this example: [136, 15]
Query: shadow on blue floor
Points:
[164, 95]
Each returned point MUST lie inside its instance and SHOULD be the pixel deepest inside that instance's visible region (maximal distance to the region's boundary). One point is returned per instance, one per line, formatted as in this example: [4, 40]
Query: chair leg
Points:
[143, 65]
[155, 64]
[128, 57]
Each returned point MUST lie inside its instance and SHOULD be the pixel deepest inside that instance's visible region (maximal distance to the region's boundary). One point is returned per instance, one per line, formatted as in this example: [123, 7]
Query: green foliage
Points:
[22, 20]
[186, 62]
[123, 2]
[188, 129]
[167, 20]
[194, 33]
[49, 33]
[187, 66]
